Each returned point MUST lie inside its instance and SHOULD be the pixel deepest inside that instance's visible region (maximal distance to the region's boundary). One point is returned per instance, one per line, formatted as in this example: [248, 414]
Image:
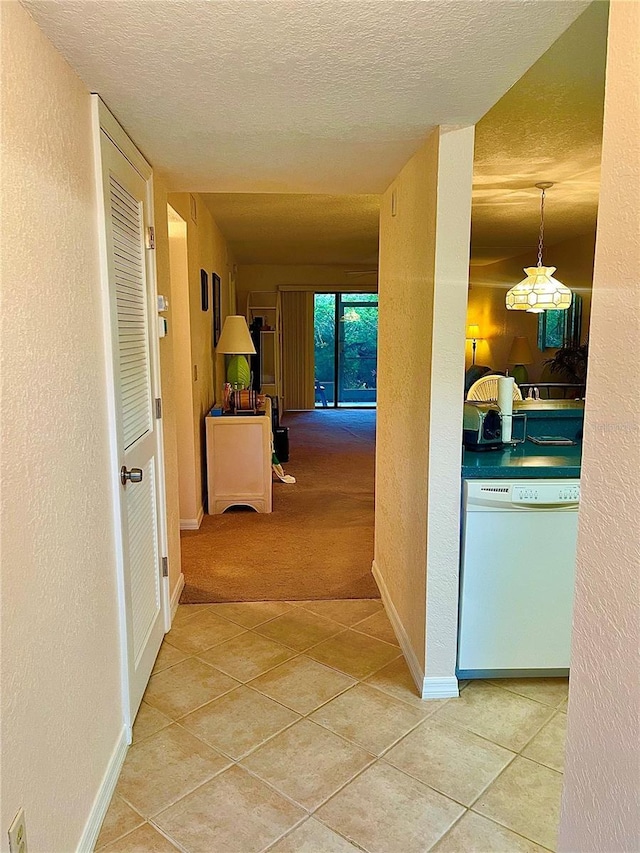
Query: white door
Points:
[133, 316]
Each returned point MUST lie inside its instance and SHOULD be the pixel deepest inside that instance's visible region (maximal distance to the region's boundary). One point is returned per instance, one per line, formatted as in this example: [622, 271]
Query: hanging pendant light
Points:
[539, 291]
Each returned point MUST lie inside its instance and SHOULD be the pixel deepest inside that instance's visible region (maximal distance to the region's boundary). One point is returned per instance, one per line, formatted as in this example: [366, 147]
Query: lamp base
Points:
[238, 373]
[520, 374]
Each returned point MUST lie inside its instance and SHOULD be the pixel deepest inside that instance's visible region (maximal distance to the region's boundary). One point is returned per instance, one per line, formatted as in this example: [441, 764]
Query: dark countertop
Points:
[523, 460]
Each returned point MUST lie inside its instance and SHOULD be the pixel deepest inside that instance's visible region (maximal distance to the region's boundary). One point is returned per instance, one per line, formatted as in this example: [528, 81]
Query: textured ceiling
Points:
[548, 127]
[310, 96]
[275, 228]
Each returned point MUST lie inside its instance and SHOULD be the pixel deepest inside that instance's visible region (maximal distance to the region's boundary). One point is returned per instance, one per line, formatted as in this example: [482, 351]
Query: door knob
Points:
[134, 475]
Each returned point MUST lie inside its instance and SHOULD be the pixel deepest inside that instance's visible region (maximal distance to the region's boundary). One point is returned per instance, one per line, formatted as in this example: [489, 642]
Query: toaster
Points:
[482, 426]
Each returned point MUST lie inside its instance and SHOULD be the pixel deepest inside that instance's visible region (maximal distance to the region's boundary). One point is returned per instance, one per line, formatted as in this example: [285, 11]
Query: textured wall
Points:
[489, 284]
[601, 807]
[61, 703]
[455, 175]
[271, 276]
[424, 255]
[207, 249]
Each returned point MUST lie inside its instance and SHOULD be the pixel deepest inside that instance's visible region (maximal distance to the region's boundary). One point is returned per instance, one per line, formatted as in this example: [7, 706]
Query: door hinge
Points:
[158, 408]
[151, 237]
[165, 567]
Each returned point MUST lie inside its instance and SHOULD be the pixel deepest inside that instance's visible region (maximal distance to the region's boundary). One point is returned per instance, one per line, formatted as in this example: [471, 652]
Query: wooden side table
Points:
[239, 462]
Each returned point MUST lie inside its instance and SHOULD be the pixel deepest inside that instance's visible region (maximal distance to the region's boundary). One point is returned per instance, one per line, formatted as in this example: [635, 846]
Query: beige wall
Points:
[180, 335]
[489, 284]
[61, 701]
[601, 804]
[170, 388]
[269, 277]
[207, 249]
[423, 277]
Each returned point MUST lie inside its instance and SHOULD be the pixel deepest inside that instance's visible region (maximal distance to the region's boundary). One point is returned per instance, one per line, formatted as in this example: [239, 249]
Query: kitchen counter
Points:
[524, 460]
[544, 417]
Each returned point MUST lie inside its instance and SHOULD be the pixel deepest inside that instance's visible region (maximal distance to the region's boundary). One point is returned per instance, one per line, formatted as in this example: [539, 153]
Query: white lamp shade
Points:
[539, 291]
[235, 338]
[473, 332]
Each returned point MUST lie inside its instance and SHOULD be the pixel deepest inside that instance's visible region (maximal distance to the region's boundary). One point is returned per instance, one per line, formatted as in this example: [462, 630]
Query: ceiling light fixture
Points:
[539, 291]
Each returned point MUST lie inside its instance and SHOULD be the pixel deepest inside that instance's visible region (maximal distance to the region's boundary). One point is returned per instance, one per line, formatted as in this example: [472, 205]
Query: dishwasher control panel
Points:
[545, 493]
[505, 495]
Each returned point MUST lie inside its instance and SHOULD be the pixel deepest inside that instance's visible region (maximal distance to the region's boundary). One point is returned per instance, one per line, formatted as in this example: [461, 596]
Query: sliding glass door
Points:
[346, 346]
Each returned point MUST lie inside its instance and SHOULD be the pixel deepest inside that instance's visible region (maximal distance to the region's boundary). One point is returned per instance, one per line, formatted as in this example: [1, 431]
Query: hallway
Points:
[297, 729]
[317, 542]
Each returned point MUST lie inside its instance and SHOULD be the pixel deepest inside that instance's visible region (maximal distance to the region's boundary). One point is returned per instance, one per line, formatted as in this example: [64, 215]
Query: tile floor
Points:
[295, 728]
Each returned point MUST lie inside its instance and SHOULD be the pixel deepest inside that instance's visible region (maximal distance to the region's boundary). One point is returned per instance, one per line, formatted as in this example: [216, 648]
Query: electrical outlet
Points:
[18, 834]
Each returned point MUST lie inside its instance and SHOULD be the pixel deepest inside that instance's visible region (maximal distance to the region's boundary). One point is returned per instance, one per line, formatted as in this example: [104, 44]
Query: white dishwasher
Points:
[517, 577]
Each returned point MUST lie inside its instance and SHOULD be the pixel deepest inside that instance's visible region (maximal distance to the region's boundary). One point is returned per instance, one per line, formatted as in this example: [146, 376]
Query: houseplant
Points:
[570, 362]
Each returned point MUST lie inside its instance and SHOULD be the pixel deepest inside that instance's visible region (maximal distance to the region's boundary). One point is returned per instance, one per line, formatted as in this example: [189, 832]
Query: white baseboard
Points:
[175, 597]
[104, 795]
[192, 523]
[428, 687]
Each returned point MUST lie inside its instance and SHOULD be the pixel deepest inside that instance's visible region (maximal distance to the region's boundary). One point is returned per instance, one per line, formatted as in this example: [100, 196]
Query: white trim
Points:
[105, 793]
[175, 597]
[112, 420]
[428, 688]
[440, 688]
[116, 133]
[192, 523]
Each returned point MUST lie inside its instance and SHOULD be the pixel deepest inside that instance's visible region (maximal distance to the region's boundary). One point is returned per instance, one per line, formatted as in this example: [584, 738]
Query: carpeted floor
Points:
[318, 541]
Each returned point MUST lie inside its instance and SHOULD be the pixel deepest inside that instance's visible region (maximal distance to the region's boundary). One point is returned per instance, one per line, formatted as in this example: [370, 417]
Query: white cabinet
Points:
[239, 462]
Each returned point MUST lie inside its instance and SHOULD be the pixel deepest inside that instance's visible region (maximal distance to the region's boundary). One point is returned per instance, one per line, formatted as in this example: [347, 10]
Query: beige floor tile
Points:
[234, 813]
[302, 684]
[307, 763]
[119, 820]
[168, 656]
[355, 654]
[378, 626]
[345, 611]
[476, 834]
[149, 721]
[526, 799]
[239, 721]
[250, 613]
[185, 611]
[184, 687]
[395, 679]
[313, 837]
[491, 712]
[386, 811]
[367, 717]
[547, 747]
[146, 839]
[451, 760]
[201, 631]
[165, 767]
[550, 691]
[299, 629]
[247, 656]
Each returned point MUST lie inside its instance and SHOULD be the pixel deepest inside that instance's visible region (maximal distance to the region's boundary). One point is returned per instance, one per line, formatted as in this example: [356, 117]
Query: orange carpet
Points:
[318, 541]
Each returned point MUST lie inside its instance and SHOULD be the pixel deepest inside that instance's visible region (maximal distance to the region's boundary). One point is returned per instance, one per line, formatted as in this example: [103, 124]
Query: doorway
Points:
[345, 349]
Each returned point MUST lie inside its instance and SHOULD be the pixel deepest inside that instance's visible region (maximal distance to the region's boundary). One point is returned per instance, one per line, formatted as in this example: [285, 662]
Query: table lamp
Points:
[519, 355]
[473, 334]
[235, 341]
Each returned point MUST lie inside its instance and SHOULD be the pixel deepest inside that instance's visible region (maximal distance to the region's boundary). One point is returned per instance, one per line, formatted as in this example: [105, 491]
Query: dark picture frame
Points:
[204, 290]
[217, 309]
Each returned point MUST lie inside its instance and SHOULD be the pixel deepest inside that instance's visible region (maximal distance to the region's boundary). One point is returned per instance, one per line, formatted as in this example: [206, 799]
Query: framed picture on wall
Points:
[204, 290]
[217, 309]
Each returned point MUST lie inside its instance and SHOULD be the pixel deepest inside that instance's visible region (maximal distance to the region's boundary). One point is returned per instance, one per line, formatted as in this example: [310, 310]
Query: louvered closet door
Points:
[125, 202]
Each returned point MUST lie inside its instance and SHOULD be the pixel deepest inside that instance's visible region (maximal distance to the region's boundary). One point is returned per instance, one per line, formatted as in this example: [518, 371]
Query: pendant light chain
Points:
[541, 238]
